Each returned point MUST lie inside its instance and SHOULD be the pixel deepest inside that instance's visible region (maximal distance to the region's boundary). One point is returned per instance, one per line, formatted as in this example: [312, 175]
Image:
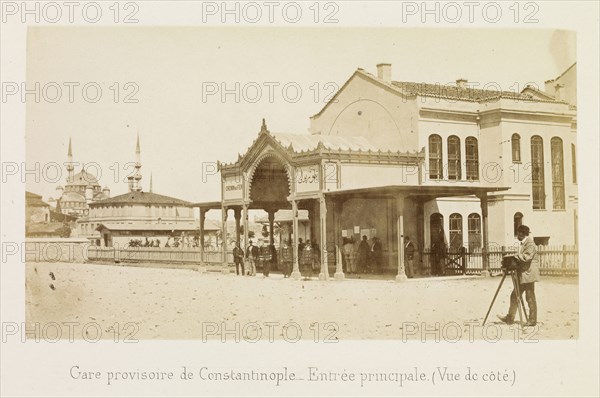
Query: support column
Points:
[245, 221]
[337, 220]
[237, 213]
[401, 277]
[390, 225]
[296, 270]
[271, 214]
[420, 241]
[202, 220]
[324, 274]
[483, 199]
[224, 239]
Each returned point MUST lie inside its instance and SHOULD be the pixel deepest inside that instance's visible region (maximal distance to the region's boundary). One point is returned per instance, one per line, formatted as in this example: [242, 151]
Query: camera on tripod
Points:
[510, 263]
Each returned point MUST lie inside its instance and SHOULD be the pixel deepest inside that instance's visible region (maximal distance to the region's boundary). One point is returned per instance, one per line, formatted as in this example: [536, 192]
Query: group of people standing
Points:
[268, 257]
[363, 258]
[366, 257]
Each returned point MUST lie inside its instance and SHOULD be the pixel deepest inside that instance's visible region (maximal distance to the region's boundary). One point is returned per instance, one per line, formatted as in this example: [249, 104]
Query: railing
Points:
[157, 255]
[553, 260]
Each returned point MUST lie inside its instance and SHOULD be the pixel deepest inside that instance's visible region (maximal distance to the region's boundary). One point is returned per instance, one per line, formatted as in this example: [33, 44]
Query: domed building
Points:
[80, 190]
[136, 215]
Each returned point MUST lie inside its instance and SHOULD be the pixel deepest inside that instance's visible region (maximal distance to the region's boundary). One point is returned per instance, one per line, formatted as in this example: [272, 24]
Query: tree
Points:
[64, 231]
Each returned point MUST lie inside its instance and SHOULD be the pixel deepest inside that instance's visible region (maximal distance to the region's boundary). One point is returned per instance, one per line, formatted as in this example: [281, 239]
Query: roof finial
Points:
[150, 182]
[263, 128]
[137, 146]
[70, 153]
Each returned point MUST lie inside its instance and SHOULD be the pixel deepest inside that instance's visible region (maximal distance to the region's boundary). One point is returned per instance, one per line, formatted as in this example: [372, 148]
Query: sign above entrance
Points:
[233, 188]
[307, 178]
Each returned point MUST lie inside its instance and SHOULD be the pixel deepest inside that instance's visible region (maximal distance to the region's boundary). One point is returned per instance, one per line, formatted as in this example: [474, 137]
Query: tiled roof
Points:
[457, 93]
[32, 199]
[307, 142]
[52, 228]
[141, 226]
[143, 198]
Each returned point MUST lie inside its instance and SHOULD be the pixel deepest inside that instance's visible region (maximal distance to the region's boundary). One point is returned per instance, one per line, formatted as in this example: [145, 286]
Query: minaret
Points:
[134, 180]
[70, 167]
[138, 165]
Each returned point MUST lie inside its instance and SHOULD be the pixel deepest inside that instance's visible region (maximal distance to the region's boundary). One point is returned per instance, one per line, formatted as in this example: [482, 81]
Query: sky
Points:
[177, 75]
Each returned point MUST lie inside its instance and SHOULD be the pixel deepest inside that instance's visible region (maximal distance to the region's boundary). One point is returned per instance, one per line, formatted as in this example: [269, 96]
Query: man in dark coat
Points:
[286, 256]
[377, 255]
[238, 258]
[363, 254]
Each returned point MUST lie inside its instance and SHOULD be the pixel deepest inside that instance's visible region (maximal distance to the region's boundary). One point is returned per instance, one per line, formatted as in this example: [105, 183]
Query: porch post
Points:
[401, 277]
[296, 270]
[224, 237]
[324, 274]
[237, 213]
[202, 220]
[271, 214]
[420, 234]
[337, 217]
[483, 199]
[245, 221]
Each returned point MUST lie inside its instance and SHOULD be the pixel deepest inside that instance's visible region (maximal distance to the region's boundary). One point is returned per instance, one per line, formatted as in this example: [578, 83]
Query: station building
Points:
[448, 165]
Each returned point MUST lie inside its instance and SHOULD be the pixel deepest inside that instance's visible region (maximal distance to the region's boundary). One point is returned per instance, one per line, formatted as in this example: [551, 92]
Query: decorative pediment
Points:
[264, 144]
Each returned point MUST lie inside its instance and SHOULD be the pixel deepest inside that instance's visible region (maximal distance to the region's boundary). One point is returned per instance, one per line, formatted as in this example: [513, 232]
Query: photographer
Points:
[528, 273]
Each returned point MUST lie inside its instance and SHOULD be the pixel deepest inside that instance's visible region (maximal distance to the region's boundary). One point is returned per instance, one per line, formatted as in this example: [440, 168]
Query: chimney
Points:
[461, 83]
[558, 91]
[384, 72]
[106, 192]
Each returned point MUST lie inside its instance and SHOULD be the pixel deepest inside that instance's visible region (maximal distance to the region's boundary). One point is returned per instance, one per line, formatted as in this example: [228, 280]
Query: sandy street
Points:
[110, 302]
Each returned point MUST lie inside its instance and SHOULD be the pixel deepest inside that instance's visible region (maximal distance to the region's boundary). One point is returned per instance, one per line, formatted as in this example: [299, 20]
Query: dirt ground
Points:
[142, 302]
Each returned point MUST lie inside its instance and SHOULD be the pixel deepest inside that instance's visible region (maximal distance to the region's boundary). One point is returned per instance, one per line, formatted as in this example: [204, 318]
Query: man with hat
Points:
[528, 273]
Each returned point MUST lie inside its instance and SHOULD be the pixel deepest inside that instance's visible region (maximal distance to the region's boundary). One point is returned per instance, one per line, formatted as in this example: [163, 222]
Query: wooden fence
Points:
[157, 255]
[553, 260]
[557, 260]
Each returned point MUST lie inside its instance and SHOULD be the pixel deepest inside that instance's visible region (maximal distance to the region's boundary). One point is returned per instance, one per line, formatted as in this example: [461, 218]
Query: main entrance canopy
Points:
[321, 174]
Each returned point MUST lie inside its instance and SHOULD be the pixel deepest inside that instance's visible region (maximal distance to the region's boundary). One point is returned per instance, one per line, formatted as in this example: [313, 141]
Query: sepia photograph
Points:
[267, 180]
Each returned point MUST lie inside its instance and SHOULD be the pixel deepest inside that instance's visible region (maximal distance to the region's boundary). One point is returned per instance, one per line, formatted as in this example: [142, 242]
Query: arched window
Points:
[472, 155]
[574, 163]
[456, 228]
[517, 222]
[435, 157]
[515, 141]
[436, 229]
[538, 187]
[474, 222]
[454, 172]
[558, 173]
